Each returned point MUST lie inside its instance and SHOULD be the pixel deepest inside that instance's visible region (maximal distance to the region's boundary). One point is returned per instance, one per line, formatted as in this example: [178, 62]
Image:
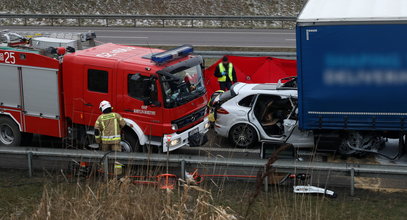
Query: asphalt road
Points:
[262, 38]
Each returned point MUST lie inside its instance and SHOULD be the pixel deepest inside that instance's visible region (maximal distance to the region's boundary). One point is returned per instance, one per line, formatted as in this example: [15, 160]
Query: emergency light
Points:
[172, 54]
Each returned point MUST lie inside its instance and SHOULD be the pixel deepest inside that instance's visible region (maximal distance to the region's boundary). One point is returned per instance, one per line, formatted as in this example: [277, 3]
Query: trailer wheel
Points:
[10, 135]
[243, 135]
[130, 143]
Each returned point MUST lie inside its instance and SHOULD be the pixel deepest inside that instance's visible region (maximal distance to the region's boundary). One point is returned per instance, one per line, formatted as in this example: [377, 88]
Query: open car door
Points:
[274, 116]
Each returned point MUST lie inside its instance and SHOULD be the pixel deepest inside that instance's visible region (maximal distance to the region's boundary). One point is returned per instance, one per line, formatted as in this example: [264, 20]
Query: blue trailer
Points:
[352, 71]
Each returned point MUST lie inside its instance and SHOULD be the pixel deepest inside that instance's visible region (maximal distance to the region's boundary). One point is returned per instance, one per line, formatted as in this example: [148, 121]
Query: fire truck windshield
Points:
[183, 85]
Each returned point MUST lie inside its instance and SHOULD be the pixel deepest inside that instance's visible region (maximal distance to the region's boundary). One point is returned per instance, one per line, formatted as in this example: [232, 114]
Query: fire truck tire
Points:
[130, 143]
[10, 135]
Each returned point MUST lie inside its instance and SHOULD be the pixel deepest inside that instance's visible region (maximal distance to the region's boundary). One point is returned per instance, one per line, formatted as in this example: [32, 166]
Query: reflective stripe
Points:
[223, 69]
[111, 139]
[108, 116]
[115, 126]
[112, 136]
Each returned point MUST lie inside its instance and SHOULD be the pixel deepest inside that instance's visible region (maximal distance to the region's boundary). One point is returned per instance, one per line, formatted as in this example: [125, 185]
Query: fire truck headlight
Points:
[175, 142]
[174, 127]
[207, 125]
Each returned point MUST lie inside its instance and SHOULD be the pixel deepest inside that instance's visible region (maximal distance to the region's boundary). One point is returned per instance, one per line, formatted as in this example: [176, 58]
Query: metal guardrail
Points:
[215, 54]
[181, 160]
[162, 18]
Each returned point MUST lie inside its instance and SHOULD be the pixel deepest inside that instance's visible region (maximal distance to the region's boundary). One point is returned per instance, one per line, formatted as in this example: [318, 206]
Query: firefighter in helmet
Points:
[108, 128]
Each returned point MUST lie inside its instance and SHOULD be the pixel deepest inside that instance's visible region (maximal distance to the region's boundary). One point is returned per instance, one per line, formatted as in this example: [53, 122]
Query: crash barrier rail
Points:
[181, 161]
[222, 19]
[217, 54]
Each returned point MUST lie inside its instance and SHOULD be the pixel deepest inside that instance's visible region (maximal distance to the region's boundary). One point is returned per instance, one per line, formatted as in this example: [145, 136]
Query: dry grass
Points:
[123, 200]
[116, 200]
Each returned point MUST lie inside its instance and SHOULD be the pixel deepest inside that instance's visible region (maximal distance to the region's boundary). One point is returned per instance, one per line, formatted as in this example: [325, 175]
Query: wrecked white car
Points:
[249, 113]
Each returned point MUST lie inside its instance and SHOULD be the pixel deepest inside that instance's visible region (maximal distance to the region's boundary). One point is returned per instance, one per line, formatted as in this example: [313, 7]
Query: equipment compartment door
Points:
[9, 86]
[41, 101]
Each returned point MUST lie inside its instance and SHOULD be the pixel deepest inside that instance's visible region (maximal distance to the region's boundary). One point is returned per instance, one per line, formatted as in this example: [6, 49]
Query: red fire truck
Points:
[160, 94]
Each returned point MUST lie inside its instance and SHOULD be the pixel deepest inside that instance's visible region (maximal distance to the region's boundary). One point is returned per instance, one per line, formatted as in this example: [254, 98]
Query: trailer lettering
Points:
[310, 31]
[364, 77]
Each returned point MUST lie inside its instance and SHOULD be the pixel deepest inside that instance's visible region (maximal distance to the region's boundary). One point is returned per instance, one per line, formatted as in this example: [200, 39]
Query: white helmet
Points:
[104, 105]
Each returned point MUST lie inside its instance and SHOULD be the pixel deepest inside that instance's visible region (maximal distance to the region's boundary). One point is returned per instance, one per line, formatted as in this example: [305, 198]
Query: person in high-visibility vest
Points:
[226, 74]
[108, 128]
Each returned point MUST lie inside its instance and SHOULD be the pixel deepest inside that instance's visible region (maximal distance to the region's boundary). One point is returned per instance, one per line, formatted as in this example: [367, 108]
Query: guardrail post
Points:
[25, 21]
[106, 168]
[79, 22]
[352, 182]
[29, 160]
[183, 169]
[52, 21]
[163, 22]
[107, 22]
[135, 22]
[266, 180]
[192, 23]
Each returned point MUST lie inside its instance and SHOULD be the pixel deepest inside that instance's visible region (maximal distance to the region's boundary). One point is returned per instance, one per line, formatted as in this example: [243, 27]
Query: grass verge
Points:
[47, 198]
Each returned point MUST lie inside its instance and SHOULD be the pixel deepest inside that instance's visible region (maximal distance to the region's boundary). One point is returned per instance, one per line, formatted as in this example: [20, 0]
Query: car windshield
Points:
[184, 85]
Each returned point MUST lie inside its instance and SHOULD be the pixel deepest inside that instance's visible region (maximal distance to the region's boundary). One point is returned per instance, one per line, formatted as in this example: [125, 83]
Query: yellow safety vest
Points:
[109, 126]
[223, 69]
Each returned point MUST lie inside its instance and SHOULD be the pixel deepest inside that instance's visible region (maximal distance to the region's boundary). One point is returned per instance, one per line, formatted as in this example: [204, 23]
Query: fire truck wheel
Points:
[130, 143]
[10, 135]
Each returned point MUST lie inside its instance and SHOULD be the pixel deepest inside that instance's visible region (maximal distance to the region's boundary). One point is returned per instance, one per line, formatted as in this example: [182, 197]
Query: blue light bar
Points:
[172, 54]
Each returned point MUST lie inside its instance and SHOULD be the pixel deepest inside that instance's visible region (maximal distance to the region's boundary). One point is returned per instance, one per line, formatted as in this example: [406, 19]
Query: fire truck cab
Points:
[160, 94]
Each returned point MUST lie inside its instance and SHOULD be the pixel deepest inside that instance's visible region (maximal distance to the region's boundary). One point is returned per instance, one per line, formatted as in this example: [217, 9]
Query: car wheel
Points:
[243, 135]
[10, 134]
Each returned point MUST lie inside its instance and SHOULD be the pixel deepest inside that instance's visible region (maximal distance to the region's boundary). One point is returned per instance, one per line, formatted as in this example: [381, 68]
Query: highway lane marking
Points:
[290, 39]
